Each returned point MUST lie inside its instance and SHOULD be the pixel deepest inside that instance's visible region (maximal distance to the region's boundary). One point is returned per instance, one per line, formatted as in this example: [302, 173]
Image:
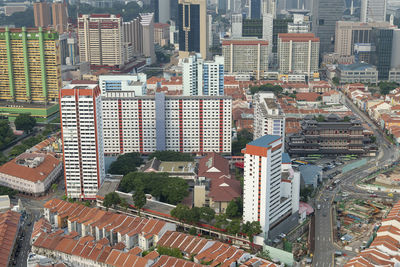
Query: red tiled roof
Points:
[213, 161]
[9, 224]
[224, 189]
[39, 173]
[311, 97]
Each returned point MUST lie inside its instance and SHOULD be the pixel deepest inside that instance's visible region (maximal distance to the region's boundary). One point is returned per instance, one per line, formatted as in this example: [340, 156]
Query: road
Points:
[324, 246]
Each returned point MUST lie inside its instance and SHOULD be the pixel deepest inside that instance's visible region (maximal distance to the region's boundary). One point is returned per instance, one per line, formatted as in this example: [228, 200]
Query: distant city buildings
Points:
[298, 53]
[54, 15]
[245, 55]
[193, 27]
[83, 139]
[161, 34]
[202, 77]
[128, 83]
[42, 15]
[271, 190]
[373, 10]
[60, 16]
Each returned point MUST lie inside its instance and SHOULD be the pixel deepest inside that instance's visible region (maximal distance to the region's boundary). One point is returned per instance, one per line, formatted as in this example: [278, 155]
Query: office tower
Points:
[161, 34]
[30, 69]
[269, 118]
[190, 124]
[237, 24]
[139, 34]
[349, 33]
[222, 6]
[209, 31]
[60, 17]
[202, 77]
[41, 12]
[298, 53]
[279, 26]
[101, 40]
[267, 198]
[255, 9]
[73, 55]
[382, 41]
[192, 27]
[325, 14]
[395, 62]
[252, 28]
[162, 10]
[82, 135]
[268, 7]
[268, 30]
[373, 10]
[245, 55]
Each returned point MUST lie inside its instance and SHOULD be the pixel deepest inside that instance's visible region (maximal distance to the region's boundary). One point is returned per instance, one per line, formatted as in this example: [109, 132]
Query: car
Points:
[373, 195]
[282, 235]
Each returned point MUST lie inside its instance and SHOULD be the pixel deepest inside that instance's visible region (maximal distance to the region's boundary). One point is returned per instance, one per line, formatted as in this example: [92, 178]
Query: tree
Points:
[336, 80]
[306, 192]
[251, 229]
[54, 187]
[126, 163]
[173, 252]
[319, 98]
[234, 227]
[221, 221]
[168, 155]
[243, 138]
[7, 191]
[139, 199]
[373, 139]
[6, 134]
[25, 122]
[232, 211]
[320, 118]
[386, 87]
[266, 87]
[207, 214]
[180, 212]
[111, 199]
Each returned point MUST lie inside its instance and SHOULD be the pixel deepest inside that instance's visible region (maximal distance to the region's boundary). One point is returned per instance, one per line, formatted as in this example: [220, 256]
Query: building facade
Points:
[60, 17]
[373, 10]
[298, 53]
[161, 34]
[270, 194]
[357, 73]
[202, 77]
[269, 118]
[30, 67]
[190, 124]
[41, 13]
[82, 135]
[101, 40]
[193, 27]
[136, 83]
[382, 41]
[245, 55]
[237, 24]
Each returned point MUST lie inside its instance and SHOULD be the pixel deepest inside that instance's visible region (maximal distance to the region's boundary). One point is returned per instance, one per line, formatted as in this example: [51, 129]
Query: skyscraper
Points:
[82, 135]
[193, 27]
[325, 15]
[255, 9]
[30, 67]
[162, 10]
[41, 12]
[373, 10]
[60, 18]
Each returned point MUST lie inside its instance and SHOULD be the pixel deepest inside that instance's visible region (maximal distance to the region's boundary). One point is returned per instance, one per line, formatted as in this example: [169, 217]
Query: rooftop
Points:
[265, 141]
[9, 224]
[356, 67]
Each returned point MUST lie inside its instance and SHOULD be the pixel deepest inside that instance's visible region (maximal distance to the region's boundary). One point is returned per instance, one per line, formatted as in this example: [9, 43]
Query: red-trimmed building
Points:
[82, 135]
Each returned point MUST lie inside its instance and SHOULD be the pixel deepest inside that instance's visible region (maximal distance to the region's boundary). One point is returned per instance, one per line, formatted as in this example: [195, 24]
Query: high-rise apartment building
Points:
[136, 83]
[268, 30]
[82, 135]
[298, 53]
[268, 7]
[349, 33]
[41, 12]
[101, 40]
[245, 55]
[162, 10]
[161, 34]
[237, 24]
[202, 77]
[60, 17]
[190, 124]
[138, 34]
[269, 118]
[267, 197]
[30, 67]
[373, 10]
[325, 14]
[193, 27]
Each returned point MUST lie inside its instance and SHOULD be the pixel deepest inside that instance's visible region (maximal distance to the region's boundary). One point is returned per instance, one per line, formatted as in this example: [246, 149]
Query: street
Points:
[324, 243]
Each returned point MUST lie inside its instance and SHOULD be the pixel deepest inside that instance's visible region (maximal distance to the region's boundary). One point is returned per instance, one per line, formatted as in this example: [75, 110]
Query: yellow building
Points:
[30, 66]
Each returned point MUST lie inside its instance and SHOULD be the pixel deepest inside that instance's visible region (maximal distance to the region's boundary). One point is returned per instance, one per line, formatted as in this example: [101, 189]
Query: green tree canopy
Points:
[167, 189]
[6, 134]
[234, 209]
[111, 200]
[207, 214]
[173, 252]
[139, 198]
[126, 163]
[168, 155]
[386, 87]
[25, 122]
[234, 227]
[251, 229]
[243, 138]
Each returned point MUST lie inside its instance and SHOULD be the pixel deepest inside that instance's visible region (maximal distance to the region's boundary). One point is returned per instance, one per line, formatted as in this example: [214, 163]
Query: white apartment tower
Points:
[269, 118]
[298, 53]
[101, 40]
[202, 77]
[268, 196]
[82, 135]
[373, 10]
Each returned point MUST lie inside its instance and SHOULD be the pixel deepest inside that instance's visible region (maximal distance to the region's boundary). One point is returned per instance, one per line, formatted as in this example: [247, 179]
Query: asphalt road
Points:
[388, 153]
